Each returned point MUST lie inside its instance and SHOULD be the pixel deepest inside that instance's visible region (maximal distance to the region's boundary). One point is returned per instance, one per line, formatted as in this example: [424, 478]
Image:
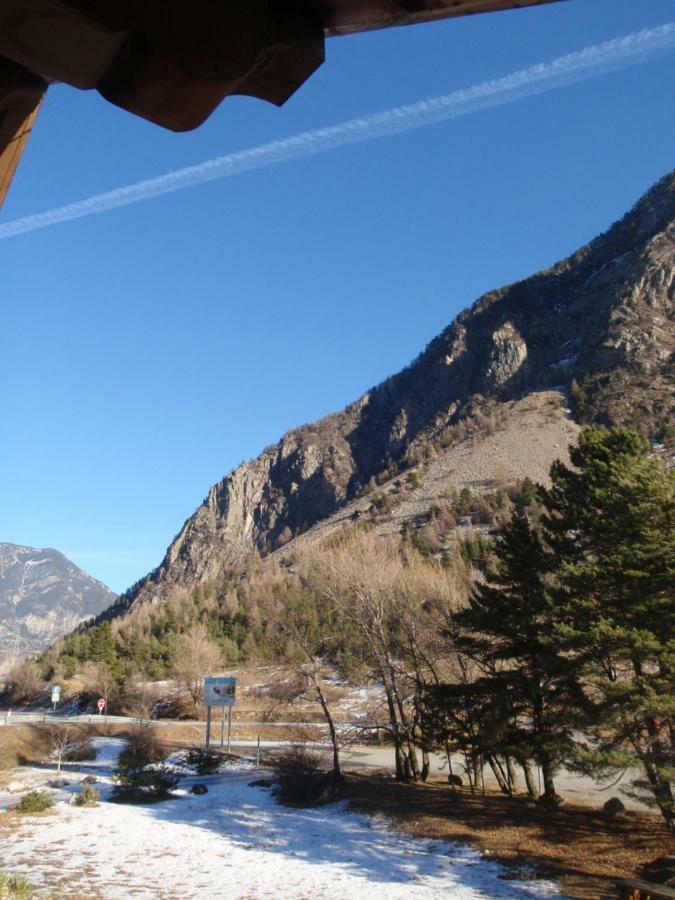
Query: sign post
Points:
[101, 705]
[56, 695]
[221, 692]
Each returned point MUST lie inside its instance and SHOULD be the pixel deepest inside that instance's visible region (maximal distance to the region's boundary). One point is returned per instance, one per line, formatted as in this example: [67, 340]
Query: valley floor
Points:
[237, 842]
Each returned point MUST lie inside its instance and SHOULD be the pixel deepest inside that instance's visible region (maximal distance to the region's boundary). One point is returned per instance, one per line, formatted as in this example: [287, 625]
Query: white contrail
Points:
[610, 55]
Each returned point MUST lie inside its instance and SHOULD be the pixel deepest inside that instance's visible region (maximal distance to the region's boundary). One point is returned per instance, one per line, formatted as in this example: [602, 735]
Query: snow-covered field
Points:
[237, 842]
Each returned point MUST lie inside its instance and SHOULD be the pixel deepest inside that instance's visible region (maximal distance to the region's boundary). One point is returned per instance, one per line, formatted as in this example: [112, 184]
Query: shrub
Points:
[146, 784]
[85, 750]
[465, 502]
[89, 796]
[34, 802]
[206, 762]
[177, 706]
[14, 887]
[25, 682]
[142, 748]
[299, 777]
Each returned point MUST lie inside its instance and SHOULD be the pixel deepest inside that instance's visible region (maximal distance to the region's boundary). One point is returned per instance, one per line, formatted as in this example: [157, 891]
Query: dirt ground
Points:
[575, 845]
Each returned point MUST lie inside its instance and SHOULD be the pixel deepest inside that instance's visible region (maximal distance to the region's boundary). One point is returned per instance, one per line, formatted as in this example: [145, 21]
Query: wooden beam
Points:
[20, 97]
[341, 17]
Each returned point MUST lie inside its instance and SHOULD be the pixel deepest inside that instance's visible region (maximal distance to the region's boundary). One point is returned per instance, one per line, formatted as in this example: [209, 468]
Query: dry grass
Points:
[575, 845]
[25, 745]
[21, 745]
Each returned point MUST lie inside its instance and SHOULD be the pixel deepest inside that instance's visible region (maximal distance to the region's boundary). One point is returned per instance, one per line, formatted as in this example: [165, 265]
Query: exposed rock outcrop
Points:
[599, 323]
[509, 352]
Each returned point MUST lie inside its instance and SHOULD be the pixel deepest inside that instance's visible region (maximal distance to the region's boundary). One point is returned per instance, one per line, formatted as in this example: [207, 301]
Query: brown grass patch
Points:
[22, 744]
[575, 846]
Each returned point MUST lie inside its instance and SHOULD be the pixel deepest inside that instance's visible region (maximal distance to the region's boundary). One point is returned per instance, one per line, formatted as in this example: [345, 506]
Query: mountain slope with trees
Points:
[597, 328]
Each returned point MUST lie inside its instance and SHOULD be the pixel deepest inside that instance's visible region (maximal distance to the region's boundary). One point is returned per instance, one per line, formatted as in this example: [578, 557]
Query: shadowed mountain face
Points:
[43, 595]
[597, 327]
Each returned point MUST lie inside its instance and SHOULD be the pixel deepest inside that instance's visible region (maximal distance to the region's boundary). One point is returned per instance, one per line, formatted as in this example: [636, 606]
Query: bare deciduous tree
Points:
[308, 641]
[395, 600]
[25, 681]
[195, 656]
[98, 679]
[63, 742]
[360, 577]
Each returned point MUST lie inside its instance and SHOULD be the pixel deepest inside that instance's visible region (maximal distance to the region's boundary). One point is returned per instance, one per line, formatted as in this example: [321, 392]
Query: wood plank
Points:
[20, 98]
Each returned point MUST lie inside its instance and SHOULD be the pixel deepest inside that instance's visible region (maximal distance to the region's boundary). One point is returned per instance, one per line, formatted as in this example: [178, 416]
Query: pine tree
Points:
[610, 525]
[102, 646]
[523, 700]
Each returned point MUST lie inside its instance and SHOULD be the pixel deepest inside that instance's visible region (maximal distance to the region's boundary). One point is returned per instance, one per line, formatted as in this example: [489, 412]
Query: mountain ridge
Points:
[43, 595]
[595, 327]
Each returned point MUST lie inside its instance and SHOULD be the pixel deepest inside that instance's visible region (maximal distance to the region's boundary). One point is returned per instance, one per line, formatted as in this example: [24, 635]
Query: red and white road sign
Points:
[101, 705]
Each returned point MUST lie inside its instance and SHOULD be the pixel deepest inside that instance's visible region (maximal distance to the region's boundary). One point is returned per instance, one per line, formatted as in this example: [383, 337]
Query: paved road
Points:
[39, 717]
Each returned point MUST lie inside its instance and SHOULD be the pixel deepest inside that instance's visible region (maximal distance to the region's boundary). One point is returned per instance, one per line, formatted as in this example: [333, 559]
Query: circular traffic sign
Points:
[101, 703]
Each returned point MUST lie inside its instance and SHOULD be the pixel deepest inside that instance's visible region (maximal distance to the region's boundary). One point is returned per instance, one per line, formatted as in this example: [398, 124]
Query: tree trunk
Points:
[662, 791]
[337, 772]
[548, 798]
[398, 760]
[477, 765]
[448, 755]
[414, 761]
[529, 779]
[425, 765]
[413, 766]
[470, 772]
[498, 772]
[393, 720]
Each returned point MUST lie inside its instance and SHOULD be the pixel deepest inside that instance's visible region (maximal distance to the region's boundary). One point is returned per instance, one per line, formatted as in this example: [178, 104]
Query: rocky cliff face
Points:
[599, 323]
[43, 595]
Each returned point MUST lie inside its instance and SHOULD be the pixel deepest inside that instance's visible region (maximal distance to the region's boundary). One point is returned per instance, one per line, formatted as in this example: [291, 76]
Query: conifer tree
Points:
[528, 681]
[610, 525]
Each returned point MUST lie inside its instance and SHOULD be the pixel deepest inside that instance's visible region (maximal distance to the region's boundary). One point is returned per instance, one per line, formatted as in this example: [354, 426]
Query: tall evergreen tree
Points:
[524, 698]
[610, 525]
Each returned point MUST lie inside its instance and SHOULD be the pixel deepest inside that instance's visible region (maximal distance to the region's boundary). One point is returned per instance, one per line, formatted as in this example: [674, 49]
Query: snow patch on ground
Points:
[108, 750]
[237, 842]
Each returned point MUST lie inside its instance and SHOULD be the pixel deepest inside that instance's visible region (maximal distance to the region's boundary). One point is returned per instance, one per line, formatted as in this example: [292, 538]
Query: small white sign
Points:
[56, 693]
[220, 691]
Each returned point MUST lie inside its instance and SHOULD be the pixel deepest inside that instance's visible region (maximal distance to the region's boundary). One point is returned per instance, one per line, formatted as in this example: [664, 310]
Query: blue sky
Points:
[148, 350]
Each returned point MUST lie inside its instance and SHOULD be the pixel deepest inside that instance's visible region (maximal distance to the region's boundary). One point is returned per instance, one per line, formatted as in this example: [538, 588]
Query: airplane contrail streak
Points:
[618, 53]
